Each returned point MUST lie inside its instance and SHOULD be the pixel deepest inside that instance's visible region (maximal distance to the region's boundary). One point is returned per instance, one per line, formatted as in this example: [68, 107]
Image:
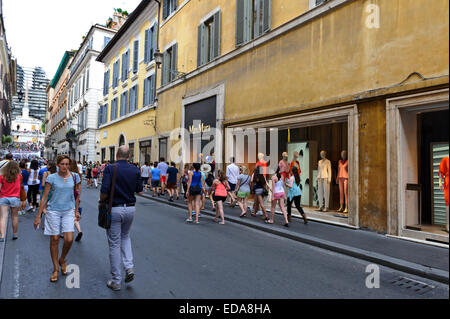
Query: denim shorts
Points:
[57, 223]
[10, 201]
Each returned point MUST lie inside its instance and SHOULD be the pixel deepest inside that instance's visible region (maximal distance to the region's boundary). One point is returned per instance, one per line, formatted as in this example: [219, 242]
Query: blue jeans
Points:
[119, 241]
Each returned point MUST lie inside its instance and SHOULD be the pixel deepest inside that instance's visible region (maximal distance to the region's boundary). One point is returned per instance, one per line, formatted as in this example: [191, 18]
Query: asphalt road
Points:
[176, 260]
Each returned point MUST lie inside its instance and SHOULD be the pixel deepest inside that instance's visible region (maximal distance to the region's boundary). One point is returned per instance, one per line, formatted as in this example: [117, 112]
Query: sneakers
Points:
[130, 275]
[15, 237]
[113, 286]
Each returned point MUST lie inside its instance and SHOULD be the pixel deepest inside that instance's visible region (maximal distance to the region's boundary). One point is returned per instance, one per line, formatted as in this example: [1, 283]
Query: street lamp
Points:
[158, 58]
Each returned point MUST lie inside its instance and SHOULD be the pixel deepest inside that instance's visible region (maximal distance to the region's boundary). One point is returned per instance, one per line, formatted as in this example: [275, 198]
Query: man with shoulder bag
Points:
[120, 183]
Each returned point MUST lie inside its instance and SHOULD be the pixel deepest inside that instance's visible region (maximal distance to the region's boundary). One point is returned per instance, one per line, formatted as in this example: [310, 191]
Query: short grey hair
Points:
[123, 152]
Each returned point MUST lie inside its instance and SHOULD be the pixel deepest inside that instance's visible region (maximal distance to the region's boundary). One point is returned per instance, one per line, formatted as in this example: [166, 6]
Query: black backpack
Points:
[209, 180]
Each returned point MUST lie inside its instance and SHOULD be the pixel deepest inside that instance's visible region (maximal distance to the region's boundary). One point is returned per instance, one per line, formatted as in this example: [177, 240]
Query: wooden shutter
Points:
[240, 16]
[152, 89]
[173, 62]
[266, 15]
[174, 4]
[147, 46]
[87, 79]
[165, 73]
[256, 18]
[135, 56]
[199, 45]
[145, 92]
[127, 68]
[154, 41]
[216, 32]
[99, 116]
[105, 113]
[136, 95]
[165, 8]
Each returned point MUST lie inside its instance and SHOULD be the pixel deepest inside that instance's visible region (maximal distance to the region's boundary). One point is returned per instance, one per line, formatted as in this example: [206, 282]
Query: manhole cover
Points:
[415, 286]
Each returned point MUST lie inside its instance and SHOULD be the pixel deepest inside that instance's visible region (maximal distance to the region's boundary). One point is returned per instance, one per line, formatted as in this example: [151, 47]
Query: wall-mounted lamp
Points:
[158, 58]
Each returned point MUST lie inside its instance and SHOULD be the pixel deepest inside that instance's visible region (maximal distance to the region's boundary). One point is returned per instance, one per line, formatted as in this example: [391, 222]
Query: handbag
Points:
[104, 210]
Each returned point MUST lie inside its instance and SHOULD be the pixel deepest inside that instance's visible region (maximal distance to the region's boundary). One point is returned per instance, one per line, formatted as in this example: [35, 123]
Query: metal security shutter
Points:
[216, 40]
[438, 152]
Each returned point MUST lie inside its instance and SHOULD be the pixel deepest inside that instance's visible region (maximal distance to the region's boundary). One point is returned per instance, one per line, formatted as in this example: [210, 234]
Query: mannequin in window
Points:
[443, 185]
[324, 181]
[263, 163]
[342, 181]
[295, 163]
[283, 165]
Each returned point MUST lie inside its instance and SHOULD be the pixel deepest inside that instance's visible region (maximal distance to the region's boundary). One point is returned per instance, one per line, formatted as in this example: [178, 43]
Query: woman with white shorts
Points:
[62, 211]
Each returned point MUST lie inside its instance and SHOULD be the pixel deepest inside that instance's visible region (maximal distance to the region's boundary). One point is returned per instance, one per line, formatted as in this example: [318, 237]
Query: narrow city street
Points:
[174, 259]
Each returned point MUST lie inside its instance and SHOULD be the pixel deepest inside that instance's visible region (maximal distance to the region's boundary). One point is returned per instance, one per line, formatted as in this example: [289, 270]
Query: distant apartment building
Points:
[84, 90]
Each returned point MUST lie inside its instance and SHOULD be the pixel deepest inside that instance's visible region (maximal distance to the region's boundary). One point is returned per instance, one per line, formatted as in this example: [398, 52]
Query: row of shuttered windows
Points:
[149, 50]
[252, 21]
[129, 101]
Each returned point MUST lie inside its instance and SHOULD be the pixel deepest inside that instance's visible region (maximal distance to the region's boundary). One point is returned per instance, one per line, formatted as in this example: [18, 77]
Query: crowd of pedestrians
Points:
[52, 190]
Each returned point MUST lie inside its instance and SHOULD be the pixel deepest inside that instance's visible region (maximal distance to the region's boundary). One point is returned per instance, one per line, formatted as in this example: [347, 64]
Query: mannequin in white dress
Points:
[324, 181]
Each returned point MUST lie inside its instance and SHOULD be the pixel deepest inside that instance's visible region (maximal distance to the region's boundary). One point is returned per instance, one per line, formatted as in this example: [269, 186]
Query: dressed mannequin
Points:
[296, 163]
[262, 163]
[324, 181]
[443, 174]
[342, 180]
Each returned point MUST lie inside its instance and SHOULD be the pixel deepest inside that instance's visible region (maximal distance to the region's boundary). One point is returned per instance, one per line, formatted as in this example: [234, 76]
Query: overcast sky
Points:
[40, 31]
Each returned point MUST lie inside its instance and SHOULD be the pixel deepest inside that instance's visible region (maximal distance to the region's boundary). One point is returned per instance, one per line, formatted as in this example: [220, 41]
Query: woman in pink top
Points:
[10, 184]
[219, 188]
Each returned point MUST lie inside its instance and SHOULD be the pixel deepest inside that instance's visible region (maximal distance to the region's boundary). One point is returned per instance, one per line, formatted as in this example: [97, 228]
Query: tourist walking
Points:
[25, 175]
[172, 177]
[89, 175]
[95, 174]
[196, 186]
[74, 170]
[208, 177]
[62, 210]
[259, 188]
[220, 189]
[232, 175]
[184, 180]
[127, 183]
[33, 184]
[10, 187]
[145, 174]
[155, 175]
[51, 169]
[278, 196]
[295, 194]
[162, 166]
[243, 190]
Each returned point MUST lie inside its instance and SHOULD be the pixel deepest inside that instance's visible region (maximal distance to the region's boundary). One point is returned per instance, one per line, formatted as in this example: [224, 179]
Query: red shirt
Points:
[263, 164]
[295, 163]
[10, 189]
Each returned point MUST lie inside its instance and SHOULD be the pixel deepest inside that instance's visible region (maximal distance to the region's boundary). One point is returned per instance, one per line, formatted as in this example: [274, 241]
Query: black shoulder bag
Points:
[104, 210]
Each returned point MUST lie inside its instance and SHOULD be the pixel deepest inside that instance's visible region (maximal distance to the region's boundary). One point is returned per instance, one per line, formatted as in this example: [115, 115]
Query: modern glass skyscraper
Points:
[37, 82]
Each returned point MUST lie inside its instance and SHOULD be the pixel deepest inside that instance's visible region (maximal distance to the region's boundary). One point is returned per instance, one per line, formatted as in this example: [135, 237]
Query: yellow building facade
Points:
[127, 111]
[364, 76]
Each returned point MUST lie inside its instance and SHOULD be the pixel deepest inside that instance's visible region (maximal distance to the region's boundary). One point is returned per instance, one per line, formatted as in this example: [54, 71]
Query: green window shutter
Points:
[136, 56]
[240, 21]
[147, 46]
[136, 95]
[266, 16]
[174, 6]
[165, 8]
[199, 46]
[257, 18]
[248, 20]
[146, 92]
[130, 102]
[204, 48]
[165, 73]
[216, 40]
[152, 89]
[154, 41]
[173, 62]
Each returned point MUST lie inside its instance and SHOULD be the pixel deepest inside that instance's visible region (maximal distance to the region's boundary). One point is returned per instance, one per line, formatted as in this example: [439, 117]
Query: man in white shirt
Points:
[80, 167]
[145, 174]
[232, 175]
[162, 166]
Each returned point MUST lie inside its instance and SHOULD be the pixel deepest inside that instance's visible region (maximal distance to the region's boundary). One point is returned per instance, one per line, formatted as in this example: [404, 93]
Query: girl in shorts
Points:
[278, 196]
[243, 190]
[62, 211]
[196, 186]
[220, 189]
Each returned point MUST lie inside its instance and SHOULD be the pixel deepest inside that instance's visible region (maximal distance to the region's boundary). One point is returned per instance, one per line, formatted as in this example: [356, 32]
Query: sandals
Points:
[63, 268]
[54, 277]
[243, 215]
[267, 221]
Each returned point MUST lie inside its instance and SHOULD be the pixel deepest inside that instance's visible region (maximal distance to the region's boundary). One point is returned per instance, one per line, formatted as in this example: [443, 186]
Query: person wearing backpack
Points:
[209, 179]
[172, 175]
[243, 190]
[33, 184]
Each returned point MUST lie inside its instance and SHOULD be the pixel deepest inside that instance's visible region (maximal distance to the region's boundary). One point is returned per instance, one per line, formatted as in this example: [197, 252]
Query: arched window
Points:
[121, 140]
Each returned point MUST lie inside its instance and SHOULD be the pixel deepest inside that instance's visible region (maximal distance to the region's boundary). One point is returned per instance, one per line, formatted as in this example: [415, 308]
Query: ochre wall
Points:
[372, 166]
